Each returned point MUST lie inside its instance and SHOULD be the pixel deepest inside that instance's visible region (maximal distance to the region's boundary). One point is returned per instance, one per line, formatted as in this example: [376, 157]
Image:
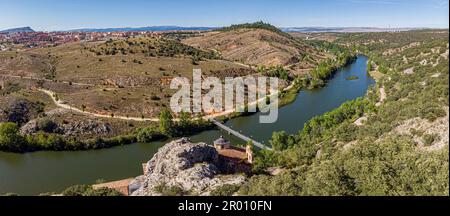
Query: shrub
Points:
[86, 190]
[166, 190]
[10, 139]
[155, 98]
[47, 125]
[225, 190]
[429, 139]
[148, 134]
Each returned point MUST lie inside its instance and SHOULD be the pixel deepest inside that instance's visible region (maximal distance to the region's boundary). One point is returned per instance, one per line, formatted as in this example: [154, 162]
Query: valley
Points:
[363, 113]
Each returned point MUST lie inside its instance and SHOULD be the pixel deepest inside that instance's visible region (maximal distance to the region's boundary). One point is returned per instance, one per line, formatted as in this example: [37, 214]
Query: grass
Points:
[140, 76]
[79, 65]
[376, 75]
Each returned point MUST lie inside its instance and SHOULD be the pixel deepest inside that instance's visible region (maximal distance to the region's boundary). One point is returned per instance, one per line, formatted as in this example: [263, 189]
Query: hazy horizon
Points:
[51, 15]
[212, 27]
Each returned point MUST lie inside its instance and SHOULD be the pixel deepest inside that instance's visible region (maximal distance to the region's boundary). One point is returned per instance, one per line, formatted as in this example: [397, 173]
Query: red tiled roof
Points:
[234, 153]
[121, 185]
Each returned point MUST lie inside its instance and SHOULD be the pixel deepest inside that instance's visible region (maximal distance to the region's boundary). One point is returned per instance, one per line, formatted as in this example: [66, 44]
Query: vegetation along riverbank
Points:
[45, 127]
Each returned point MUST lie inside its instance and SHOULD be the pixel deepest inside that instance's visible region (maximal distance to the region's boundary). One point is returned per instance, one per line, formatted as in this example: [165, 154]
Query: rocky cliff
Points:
[191, 168]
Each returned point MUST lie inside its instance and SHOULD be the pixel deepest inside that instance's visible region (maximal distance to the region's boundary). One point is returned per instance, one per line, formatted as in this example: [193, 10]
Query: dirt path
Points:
[227, 112]
[47, 80]
[382, 96]
[61, 104]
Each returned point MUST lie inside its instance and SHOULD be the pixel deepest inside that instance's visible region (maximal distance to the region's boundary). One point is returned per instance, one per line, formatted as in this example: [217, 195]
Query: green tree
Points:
[10, 139]
[148, 134]
[185, 120]
[166, 122]
[281, 140]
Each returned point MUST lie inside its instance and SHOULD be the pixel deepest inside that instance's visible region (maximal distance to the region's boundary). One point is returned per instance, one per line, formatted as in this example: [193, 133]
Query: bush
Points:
[225, 190]
[76, 190]
[281, 141]
[148, 134]
[86, 190]
[10, 139]
[155, 98]
[277, 71]
[166, 123]
[165, 190]
[47, 126]
[429, 139]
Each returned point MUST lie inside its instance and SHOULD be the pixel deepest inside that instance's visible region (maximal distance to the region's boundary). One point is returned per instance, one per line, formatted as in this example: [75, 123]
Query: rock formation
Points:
[74, 128]
[190, 167]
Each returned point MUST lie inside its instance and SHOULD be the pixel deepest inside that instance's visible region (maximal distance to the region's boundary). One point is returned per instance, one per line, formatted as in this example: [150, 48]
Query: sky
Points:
[54, 15]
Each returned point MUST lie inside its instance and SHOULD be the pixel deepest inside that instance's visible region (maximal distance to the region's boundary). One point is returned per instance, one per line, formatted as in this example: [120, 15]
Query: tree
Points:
[185, 119]
[10, 139]
[165, 122]
[281, 140]
[148, 134]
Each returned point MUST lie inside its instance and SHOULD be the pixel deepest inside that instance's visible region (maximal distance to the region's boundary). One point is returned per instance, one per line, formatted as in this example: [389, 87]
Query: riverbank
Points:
[55, 142]
[13, 141]
[50, 169]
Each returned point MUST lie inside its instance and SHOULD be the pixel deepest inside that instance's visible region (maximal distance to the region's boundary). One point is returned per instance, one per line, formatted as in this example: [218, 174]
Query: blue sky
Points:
[71, 14]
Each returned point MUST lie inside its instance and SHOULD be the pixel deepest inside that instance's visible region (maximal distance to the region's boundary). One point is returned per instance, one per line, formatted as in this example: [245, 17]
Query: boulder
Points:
[192, 167]
[75, 128]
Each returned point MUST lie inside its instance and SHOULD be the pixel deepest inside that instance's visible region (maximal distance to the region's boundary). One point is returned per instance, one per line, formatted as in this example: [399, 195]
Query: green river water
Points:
[38, 172]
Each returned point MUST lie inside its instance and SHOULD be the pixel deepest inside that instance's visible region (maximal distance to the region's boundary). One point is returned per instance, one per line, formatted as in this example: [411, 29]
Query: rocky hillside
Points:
[258, 46]
[183, 168]
[393, 141]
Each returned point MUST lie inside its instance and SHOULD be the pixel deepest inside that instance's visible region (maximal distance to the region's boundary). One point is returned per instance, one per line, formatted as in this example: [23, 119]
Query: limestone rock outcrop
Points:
[190, 167]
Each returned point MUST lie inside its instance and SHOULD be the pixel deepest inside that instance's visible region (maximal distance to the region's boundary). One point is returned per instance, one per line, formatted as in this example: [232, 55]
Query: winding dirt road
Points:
[63, 105]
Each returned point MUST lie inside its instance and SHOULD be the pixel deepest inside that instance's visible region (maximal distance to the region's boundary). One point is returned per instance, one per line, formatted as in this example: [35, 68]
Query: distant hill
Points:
[258, 44]
[16, 30]
[148, 28]
[256, 25]
[344, 29]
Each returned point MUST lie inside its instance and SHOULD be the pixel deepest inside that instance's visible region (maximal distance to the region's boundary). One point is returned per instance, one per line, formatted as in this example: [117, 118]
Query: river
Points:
[38, 172]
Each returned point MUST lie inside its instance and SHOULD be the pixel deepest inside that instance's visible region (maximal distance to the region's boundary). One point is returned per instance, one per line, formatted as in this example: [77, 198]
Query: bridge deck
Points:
[239, 135]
